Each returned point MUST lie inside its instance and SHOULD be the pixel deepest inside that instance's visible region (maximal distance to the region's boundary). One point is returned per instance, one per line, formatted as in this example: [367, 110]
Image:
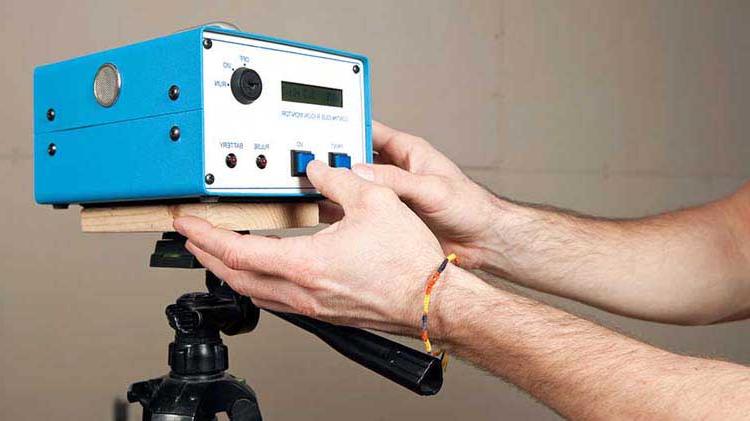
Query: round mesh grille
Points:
[107, 85]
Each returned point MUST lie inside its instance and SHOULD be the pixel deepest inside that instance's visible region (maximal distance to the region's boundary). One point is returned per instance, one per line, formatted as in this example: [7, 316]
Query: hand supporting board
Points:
[232, 216]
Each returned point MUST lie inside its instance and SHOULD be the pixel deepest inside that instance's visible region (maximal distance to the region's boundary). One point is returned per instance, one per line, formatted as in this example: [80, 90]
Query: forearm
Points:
[687, 267]
[580, 369]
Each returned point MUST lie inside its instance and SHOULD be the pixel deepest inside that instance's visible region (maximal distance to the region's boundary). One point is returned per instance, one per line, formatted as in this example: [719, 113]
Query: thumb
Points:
[405, 184]
[337, 184]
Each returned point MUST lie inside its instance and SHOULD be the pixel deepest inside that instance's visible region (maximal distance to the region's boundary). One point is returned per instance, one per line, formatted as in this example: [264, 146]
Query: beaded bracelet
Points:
[426, 308]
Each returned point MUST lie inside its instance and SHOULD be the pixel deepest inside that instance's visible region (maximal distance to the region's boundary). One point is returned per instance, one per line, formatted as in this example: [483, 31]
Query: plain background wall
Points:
[619, 108]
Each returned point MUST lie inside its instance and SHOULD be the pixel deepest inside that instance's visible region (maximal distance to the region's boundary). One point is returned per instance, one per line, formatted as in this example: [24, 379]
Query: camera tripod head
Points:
[197, 318]
[198, 386]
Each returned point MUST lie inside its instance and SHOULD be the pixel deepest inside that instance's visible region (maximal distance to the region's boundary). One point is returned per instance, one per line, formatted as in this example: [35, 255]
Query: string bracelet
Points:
[424, 325]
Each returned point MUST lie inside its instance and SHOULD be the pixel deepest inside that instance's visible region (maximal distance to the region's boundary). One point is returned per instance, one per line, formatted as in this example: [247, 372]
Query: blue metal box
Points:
[169, 118]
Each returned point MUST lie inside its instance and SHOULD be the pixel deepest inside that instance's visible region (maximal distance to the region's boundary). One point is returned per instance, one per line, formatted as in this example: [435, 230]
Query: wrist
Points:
[493, 253]
[477, 240]
[453, 298]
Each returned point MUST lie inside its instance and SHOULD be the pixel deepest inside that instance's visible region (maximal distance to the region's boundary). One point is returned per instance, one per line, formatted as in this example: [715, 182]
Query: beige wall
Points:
[620, 108]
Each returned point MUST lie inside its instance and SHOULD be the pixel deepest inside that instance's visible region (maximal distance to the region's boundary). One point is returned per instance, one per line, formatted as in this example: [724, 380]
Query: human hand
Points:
[367, 270]
[457, 210]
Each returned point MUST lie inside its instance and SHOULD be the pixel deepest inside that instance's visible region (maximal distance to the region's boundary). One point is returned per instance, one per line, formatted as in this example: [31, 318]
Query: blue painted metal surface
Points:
[133, 160]
[149, 72]
[124, 152]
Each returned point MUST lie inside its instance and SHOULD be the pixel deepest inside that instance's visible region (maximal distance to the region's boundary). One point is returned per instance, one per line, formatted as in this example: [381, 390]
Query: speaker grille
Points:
[107, 85]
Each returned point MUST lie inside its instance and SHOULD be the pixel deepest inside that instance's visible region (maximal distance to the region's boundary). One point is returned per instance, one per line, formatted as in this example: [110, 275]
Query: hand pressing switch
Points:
[300, 159]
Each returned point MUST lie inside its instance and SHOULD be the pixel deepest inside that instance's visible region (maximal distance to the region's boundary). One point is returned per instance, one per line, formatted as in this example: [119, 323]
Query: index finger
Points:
[277, 256]
[395, 145]
[338, 184]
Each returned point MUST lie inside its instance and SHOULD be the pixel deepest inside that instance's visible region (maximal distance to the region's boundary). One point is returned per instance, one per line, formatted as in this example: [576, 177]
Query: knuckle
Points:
[304, 278]
[395, 137]
[406, 143]
[233, 256]
[241, 286]
[408, 139]
[420, 141]
[376, 196]
[368, 196]
[419, 147]
[438, 186]
[306, 307]
[309, 277]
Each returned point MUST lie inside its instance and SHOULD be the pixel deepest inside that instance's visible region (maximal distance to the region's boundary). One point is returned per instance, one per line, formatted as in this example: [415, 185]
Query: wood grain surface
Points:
[232, 216]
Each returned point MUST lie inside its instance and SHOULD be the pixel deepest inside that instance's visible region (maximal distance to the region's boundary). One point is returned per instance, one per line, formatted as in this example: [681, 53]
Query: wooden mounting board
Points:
[232, 216]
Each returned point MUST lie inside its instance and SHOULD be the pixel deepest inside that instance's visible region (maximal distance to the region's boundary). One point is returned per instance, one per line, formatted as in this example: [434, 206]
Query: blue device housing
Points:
[124, 153]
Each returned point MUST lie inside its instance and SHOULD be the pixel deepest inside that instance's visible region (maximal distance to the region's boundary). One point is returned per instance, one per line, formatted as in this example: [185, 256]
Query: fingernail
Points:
[364, 171]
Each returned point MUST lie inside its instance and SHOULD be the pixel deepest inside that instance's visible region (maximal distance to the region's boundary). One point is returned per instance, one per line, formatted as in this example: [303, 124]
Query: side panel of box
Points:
[131, 160]
[147, 71]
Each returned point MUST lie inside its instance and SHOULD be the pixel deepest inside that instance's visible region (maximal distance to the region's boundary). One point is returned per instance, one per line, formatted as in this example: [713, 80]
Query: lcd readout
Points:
[311, 94]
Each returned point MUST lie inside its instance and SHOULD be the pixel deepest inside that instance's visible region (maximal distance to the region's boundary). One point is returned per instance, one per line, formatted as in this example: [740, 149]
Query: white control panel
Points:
[267, 105]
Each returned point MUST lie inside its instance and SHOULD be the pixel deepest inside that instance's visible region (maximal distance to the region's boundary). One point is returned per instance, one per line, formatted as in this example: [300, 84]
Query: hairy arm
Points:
[370, 269]
[578, 368]
[685, 267]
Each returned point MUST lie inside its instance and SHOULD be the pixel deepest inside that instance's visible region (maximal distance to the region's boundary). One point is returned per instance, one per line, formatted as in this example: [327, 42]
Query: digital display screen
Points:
[311, 94]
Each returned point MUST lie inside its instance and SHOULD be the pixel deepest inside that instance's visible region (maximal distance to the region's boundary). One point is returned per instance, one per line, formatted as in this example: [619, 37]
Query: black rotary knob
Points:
[246, 85]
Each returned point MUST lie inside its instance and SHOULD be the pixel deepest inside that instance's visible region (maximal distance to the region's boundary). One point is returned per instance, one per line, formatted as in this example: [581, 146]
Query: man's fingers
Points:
[213, 240]
[250, 284]
[278, 256]
[337, 184]
[216, 266]
[410, 187]
[393, 146]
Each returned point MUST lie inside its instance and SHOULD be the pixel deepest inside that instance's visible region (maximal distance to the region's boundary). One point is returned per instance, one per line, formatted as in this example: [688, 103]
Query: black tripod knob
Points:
[198, 387]
[183, 319]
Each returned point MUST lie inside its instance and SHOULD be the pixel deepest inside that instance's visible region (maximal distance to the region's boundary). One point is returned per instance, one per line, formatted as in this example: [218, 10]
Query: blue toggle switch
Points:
[300, 159]
[339, 160]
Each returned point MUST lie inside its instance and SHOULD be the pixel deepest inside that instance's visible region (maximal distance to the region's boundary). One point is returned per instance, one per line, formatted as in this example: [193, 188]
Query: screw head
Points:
[174, 133]
[209, 178]
[231, 160]
[51, 149]
[174, 92]
[207, 43]
[51, 114]
[261, 161]
[355, 69]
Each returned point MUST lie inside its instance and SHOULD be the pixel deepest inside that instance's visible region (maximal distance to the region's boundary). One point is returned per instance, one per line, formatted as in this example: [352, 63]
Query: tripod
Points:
[198, 386]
